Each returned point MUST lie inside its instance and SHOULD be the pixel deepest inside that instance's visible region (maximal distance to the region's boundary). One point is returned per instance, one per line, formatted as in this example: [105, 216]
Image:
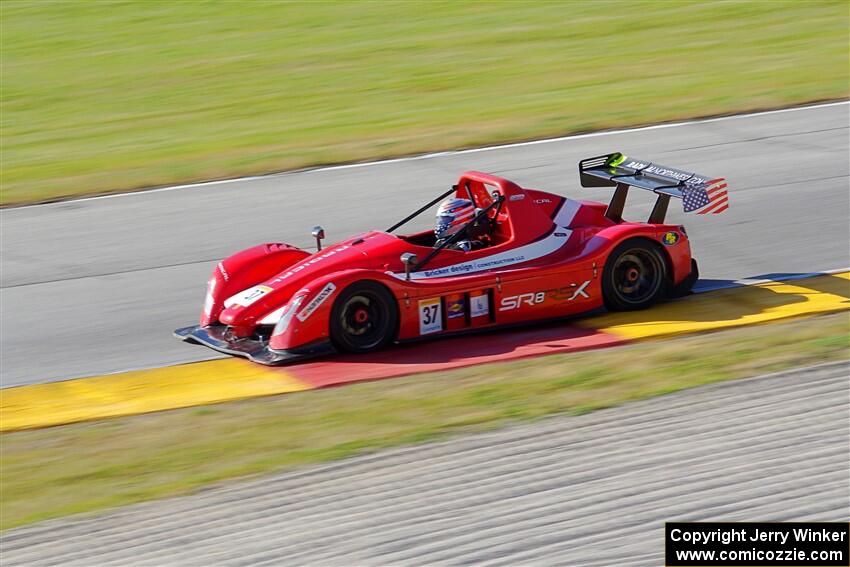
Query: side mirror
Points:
[318, 233]
[409, 260]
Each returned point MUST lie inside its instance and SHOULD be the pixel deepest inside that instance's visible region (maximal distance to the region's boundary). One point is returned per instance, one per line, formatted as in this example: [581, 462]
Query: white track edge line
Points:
[756, 281]
[431, 155]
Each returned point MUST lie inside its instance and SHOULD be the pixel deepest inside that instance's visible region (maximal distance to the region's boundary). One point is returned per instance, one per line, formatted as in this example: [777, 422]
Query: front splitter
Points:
[216, 338]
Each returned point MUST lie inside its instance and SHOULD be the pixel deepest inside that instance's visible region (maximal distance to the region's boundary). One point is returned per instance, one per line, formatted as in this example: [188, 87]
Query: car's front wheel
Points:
[363, 318]
[635, 276]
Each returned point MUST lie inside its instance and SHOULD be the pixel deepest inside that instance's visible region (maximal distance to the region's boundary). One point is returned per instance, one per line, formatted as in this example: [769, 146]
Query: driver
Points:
[453, 215]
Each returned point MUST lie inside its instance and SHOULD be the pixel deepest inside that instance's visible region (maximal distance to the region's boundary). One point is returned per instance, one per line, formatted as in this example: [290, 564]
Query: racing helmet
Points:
[452, 215]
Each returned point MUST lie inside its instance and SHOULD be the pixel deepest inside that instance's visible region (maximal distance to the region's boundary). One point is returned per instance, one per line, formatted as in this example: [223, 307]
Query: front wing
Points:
[216, 338]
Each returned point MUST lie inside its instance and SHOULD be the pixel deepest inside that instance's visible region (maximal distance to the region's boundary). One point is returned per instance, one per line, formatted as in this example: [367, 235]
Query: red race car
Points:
[499, 255]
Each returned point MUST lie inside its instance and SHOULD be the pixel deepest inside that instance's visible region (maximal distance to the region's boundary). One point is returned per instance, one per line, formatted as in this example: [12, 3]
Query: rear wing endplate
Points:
[622, 172]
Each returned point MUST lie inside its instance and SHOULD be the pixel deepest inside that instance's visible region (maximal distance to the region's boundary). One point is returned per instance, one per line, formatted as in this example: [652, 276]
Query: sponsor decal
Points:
[456, 308]
[530, 299]
[517, 197]
[469, 267]
[479, 305]
[566, 293]
[670, 238]
[430, 316]
[542, 201]
[224, 273]
[320, 298]
[665, 172]
[569, 292]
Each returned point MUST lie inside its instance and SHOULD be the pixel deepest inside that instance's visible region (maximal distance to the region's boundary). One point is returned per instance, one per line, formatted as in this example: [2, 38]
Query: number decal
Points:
[430, 316]
[249, 296]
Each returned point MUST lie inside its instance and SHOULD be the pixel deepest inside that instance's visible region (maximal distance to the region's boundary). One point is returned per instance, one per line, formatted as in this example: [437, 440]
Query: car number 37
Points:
[430, 316]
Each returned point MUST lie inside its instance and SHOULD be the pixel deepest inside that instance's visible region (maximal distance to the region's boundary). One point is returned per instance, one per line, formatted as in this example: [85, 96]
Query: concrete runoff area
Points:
[96, 286]
[587, 490]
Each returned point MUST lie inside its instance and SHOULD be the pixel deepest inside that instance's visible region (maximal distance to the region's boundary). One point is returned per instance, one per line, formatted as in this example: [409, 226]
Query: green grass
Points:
[101, 96]
[85, 467]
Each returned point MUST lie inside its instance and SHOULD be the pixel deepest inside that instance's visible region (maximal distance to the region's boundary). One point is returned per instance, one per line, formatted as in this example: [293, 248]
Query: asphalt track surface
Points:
[588, 490]
[97, 285]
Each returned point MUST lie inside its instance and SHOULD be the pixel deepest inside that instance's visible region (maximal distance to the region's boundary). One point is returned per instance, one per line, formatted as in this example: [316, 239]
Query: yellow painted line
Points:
[172, 387]
[140, 391]
[747, 305]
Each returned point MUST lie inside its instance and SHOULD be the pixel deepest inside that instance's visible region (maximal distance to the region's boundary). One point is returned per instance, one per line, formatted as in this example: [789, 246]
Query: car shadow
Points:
[558, 335]
[728, 301]
[833, 284]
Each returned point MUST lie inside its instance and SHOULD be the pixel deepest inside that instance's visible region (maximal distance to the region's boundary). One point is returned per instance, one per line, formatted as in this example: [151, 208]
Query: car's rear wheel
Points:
[635, 276]
[363, 318]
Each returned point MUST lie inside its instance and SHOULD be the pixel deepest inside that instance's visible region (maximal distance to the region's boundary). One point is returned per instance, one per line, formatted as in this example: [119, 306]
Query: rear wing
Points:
[699, 193]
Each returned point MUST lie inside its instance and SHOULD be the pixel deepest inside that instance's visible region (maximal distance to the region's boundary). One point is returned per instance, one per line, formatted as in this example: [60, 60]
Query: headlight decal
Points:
[286, 317]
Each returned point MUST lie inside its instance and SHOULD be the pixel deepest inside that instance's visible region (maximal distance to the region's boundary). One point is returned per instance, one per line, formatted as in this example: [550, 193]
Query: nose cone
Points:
[248, 307]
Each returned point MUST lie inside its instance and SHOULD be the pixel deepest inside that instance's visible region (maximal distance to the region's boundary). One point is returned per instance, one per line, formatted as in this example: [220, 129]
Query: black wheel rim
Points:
[363, 320]
[637, 276]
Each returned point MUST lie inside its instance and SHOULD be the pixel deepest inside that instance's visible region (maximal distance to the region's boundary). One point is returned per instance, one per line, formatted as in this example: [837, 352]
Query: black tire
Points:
[363, 318]
[635, 276]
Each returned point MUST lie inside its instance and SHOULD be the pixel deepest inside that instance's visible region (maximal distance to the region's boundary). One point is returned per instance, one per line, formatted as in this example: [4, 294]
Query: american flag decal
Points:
[707, 198]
